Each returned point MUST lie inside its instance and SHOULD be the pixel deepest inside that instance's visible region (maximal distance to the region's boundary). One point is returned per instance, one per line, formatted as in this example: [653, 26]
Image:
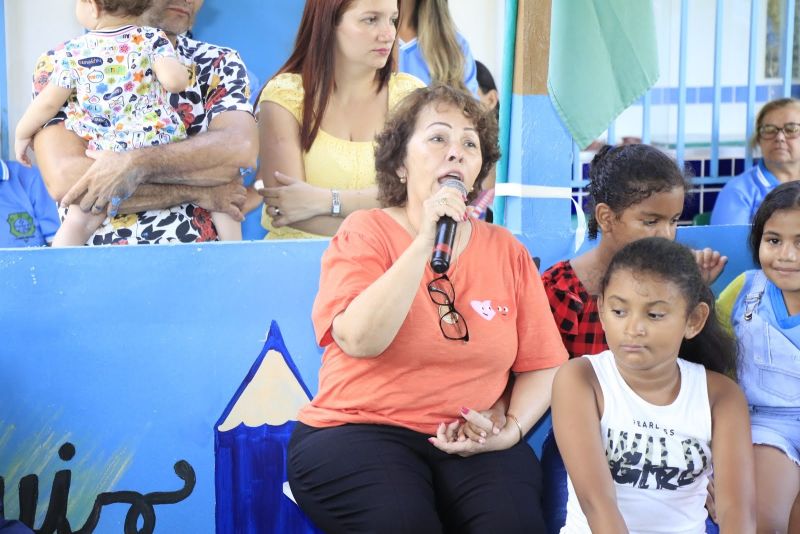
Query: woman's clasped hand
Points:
[476, 432]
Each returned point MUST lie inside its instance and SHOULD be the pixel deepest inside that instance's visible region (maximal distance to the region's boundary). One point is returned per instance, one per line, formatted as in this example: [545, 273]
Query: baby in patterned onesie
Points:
[120, 73]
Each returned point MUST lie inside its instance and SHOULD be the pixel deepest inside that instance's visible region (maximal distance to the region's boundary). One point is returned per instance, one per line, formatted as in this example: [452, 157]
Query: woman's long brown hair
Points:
[313, 57]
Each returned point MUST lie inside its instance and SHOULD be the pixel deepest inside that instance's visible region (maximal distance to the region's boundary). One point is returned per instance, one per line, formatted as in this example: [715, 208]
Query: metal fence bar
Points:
[680, 144]
[710, 180]
[788, 48]
[715, 106]
[755, 11]
[577, 166]
[499, 205]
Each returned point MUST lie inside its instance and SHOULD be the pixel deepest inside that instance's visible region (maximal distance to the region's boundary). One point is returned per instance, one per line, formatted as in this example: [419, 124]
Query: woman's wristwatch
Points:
[336, 203]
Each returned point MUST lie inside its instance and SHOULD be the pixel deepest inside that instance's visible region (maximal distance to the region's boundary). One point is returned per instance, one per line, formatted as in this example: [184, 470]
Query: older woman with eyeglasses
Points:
[778, 138]
[411, 355]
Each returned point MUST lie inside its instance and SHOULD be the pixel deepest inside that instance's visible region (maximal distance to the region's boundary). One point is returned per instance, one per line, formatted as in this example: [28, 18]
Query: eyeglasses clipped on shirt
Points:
[770, 131]
[451, 322]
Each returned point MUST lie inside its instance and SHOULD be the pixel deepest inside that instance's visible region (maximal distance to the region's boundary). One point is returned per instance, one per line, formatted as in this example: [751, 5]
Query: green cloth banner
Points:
[603, 57]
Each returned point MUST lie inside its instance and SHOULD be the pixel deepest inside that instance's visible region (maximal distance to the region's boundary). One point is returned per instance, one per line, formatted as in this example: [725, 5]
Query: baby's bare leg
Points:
[227, 228]
[77, 228]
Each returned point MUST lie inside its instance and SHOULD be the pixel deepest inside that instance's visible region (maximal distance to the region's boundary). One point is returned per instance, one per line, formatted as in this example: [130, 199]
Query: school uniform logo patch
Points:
[21, 224]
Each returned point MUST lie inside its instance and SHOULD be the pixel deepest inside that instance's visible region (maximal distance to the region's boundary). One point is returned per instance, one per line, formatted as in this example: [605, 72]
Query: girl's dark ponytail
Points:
[621, 176]
[713, 347]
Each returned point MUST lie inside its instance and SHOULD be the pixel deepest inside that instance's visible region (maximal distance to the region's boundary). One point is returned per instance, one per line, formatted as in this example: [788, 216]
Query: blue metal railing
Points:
[755, 12]
[499, 206]
[752, 94]
[788, 48]
[646, 103]
[680, 145]
[715, 106]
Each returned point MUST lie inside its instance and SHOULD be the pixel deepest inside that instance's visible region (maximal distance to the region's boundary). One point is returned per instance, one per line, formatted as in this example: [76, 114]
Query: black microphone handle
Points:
[443, 244]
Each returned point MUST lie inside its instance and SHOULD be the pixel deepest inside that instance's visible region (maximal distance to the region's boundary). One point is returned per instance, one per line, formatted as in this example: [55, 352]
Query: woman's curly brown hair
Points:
[392, 142]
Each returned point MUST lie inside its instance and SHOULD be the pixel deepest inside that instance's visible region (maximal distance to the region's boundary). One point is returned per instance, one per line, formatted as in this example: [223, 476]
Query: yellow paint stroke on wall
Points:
[93, 474]
[5, 436]
[272, 397]
[34, 453]
[93, 470]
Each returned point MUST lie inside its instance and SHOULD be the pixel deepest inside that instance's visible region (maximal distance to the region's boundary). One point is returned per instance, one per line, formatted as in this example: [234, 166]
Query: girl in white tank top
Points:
[639, 426]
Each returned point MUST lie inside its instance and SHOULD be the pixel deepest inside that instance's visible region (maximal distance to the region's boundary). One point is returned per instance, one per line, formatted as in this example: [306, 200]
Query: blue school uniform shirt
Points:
[773, 309]
[410, 60]
[739, 200]
[780, 315]
[28, 216]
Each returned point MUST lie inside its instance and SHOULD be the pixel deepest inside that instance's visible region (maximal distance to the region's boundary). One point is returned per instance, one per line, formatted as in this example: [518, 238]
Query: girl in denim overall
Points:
[764, 310]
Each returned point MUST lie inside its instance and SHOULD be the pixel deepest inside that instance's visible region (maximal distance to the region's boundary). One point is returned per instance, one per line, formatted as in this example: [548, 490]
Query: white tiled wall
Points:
[32, 26]
[700, 68]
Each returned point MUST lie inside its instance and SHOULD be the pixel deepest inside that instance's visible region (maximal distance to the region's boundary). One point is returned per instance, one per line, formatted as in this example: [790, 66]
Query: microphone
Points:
[445, 234]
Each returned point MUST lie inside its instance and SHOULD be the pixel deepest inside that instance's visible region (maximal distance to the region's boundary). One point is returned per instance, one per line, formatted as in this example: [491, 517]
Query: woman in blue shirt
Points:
[778, 137]
[430, 48]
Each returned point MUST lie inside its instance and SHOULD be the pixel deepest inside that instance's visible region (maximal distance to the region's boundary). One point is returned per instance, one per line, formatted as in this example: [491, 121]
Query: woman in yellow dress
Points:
[319, 115]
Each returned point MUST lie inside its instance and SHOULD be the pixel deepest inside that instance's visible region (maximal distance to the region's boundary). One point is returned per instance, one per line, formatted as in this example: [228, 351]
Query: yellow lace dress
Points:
[331, 162]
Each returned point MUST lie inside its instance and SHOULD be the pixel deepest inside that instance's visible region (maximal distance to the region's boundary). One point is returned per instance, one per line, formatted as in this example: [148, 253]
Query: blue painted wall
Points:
[262, 32]
[540, 153]
[132, 354]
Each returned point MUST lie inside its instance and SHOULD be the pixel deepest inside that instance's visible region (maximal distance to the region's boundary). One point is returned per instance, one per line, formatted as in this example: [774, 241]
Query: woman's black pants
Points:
[375, 478]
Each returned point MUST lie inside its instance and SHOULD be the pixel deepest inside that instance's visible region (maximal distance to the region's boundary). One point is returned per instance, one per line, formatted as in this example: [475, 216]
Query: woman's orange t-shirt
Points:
[422, 378]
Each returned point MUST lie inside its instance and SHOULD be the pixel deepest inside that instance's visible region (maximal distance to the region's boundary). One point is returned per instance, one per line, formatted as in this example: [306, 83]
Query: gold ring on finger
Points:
[442, 201]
